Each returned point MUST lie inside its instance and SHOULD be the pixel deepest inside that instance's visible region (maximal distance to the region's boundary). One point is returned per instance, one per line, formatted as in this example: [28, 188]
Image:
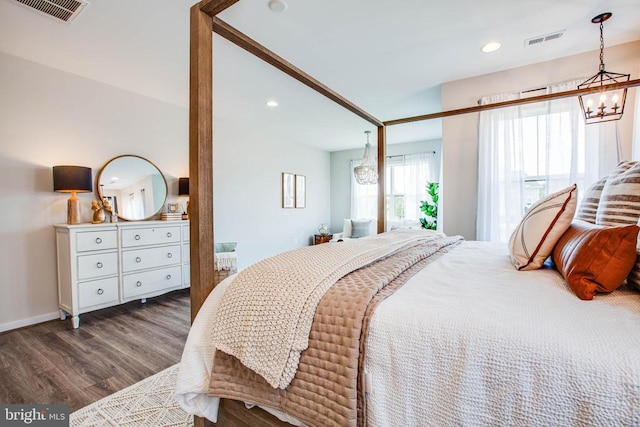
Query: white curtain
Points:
[635, 150]
[364, 198]
[531, 150]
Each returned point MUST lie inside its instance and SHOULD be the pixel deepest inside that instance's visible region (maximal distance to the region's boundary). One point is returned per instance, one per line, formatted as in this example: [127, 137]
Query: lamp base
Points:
[73, 210]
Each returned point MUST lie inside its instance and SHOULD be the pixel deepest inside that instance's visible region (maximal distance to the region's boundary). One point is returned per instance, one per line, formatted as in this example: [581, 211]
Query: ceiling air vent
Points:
[541, 39]
[63, 10]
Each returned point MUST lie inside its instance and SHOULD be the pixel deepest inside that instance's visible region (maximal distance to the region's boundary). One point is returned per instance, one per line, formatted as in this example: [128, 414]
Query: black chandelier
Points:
[605, 104]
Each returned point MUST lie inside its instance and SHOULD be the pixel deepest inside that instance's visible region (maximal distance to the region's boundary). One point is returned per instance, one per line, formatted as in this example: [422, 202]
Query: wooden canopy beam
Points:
[478, 108]
[201, 158]
[213, 7]
[245, 42]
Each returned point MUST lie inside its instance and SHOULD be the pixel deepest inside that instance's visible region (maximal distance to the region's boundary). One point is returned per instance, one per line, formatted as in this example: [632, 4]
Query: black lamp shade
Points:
[183, 187]
[67, 179]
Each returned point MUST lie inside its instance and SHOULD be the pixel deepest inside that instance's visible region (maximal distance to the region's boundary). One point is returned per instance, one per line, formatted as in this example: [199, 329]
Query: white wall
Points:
[460, 133]
[248, 192]
[341, 175]
[50, 117]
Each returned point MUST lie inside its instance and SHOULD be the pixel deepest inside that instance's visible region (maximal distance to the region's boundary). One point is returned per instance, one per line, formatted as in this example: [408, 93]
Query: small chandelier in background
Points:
[367, 172]
[607, 104]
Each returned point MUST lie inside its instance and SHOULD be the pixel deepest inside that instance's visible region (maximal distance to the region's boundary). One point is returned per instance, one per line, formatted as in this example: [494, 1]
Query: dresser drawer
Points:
[150, 236]
[140, 259]
[96, 240]
[97, 265]
[98, 292]
[146, 282]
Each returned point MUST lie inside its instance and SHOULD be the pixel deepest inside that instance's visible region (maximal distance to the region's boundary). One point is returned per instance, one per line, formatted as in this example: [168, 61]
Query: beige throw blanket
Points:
[265, 316]
[329, 387]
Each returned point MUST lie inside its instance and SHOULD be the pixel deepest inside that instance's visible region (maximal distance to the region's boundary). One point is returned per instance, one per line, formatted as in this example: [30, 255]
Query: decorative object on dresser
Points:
[98, 212]
[72, 179]
[323, 229]
[135, 188]
[322, 238]
[108, 264]
[183, 191]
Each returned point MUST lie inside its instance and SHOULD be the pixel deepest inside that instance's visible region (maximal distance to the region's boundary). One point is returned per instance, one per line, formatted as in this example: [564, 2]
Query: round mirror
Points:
[134, 187]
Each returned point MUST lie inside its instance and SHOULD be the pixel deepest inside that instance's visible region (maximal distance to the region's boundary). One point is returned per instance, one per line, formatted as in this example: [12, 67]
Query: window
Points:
[530, 151]
[405, 186]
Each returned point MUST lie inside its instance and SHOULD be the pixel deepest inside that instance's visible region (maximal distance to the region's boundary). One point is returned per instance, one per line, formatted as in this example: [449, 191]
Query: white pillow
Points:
[533, 240]
[347, 228]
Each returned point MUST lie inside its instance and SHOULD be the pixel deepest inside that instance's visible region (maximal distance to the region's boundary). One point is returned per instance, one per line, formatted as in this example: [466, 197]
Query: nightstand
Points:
[320, 238]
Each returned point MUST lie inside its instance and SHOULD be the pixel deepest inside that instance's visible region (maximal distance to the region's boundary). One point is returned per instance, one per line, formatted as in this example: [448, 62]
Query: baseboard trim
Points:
[28, 321]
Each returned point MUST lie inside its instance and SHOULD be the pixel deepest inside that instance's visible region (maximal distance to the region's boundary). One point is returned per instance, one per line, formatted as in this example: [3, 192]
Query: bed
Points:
[493, 345]
[470, 340]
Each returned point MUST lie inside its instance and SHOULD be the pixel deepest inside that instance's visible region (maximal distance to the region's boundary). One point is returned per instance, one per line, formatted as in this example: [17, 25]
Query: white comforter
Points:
[471, 341]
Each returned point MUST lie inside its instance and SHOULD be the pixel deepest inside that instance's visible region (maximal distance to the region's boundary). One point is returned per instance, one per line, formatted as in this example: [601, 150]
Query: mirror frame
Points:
[164, 179]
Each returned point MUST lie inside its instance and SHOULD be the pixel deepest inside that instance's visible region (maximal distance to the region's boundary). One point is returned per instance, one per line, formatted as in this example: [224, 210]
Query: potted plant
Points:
[430, 207]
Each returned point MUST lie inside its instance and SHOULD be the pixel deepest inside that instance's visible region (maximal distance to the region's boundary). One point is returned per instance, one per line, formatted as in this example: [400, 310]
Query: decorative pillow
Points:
[346, 228]
[620, 204]
[594, 258]
[620, 198]
[534, 238]
[589, 204]
[360, 228]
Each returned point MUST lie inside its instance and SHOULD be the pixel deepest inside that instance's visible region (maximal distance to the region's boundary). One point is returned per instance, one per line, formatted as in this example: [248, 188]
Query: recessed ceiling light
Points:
[272, 103]
[277, 5]
[491, 47]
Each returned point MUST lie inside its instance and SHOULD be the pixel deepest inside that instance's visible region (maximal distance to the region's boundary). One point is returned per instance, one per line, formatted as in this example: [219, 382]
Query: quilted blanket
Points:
[265, 316]
[328, 387]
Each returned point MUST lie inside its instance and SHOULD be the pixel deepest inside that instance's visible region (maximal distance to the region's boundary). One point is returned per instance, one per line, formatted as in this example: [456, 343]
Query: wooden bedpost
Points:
[382, 165]
[201, 157]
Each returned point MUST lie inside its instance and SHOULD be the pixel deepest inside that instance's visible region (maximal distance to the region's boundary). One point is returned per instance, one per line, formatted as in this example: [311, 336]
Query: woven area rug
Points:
[148, 403]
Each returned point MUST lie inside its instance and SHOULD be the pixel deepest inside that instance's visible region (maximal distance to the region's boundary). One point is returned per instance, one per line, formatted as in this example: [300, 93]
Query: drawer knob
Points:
[169, 255]
[138, 259]
[99, 264]
[138, 283]
[98, 240]
[169, 234]
[168, 276]
[137, 237]
[100, 291]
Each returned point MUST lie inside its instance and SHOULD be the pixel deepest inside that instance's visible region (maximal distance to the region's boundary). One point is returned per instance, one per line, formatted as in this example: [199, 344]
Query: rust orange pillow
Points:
[593, 258]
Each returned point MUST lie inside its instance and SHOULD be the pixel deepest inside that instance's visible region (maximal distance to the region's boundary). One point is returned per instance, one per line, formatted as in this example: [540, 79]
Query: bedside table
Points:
[319, 238]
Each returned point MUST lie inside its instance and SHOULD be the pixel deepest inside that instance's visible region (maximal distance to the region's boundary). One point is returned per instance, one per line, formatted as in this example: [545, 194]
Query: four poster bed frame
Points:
[203, 24]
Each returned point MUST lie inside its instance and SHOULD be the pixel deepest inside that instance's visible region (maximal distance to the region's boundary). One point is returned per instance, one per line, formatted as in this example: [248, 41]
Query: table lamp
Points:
[72, 179]
[183, 190]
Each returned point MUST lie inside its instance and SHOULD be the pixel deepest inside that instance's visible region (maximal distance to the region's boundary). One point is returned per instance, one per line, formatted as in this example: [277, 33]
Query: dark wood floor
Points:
[114, 348]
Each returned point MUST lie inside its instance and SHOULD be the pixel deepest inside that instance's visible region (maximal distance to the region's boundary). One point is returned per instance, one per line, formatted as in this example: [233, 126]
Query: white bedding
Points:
[471, 341]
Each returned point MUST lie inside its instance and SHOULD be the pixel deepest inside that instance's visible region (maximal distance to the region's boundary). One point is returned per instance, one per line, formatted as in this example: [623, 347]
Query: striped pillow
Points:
[589, 205]
[620, 204]
[533, 240]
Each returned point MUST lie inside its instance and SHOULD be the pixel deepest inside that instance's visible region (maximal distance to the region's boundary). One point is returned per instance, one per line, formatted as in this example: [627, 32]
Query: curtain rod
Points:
[546, 97]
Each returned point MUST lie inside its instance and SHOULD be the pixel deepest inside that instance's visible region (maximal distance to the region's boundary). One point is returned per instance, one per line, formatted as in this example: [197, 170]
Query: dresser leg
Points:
[63, 314]
[143, 300]
[75, 321]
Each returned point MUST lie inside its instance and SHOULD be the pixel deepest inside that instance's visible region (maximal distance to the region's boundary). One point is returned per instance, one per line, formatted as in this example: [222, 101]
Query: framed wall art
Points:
[288, 190]
[301, 191]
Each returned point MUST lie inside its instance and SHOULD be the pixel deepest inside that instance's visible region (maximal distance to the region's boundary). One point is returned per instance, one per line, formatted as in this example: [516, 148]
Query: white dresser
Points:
[108, 264]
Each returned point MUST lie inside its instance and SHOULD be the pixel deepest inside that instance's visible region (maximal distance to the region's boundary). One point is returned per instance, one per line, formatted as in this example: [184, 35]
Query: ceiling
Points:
[389, 58]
